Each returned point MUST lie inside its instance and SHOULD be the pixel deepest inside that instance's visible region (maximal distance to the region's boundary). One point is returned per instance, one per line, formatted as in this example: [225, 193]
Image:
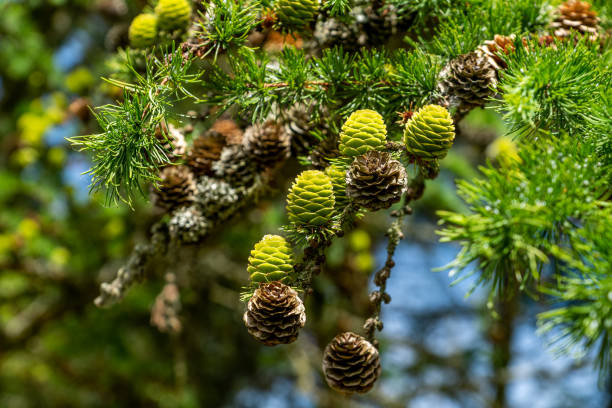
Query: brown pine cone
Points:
[205, 150]
[375, 180]
[268, 143]
[275, 314]
[492, 48]
[176, 189]
[228, 129]
[467, 81]
[351, 364]
[235, 166]
[576, 16]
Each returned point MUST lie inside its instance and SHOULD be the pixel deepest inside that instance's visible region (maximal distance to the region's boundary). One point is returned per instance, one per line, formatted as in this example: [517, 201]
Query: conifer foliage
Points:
[535, 224]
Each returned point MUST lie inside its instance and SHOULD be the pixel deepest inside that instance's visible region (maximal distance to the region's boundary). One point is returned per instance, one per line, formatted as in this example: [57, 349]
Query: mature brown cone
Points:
[467, 81]
[235, 166]
[275, 314]
[576, 16]
[176, 189]
[351, 364]
[205, 150]
[228, 129]
[498, 45]
[267, 143]
[375, 180]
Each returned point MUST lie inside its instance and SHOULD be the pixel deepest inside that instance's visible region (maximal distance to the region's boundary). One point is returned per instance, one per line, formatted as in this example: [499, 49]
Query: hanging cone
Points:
[173, 15]
[351, 364]
[375, 180]
[268, 144]
[296, 14]
[205, 150]
[143, 31]
[430, 133]
[310, 202]
[467, 81]
[275, 314]
[364, 130]
[271, 260]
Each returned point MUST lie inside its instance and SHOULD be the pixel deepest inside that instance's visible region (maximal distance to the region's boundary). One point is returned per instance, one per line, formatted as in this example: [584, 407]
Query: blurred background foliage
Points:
[57, 243]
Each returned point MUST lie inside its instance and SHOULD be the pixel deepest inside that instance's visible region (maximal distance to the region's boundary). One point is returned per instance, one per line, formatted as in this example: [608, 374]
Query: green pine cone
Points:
[310, 202]
[364, 130]
[337, 174]
[271, 260]
[430, 133]
[143, 31]
[173, 14]
[296, 13]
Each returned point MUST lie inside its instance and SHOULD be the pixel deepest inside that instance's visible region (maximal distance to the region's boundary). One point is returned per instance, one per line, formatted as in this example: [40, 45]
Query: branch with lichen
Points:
[186, 226]
[135, 268]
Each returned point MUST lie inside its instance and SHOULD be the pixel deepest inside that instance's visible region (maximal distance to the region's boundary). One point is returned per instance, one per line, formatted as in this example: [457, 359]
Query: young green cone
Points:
[429, 133]
[271, 260]
[143, 31]
[173, 14]
[310, 202]
[364, 130]
[296, 13]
